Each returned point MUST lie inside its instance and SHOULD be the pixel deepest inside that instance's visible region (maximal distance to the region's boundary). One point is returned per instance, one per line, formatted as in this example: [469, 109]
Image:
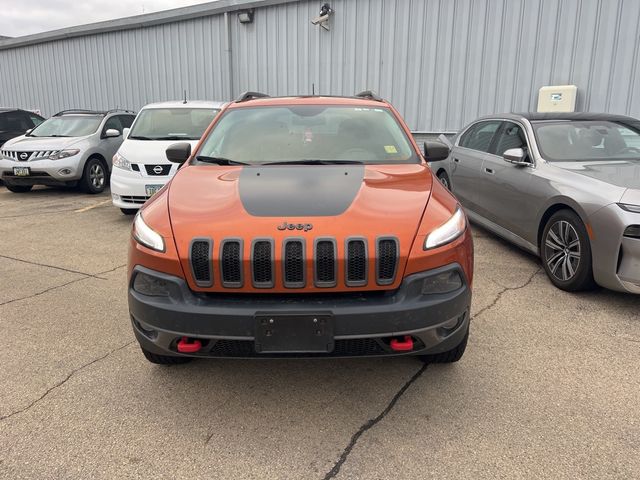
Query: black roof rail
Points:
[369, 94]
[77, 110]
[250, 96]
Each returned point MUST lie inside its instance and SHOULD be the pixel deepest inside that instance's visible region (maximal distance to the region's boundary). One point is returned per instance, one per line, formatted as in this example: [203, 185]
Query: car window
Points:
[172, 123]
[587, 140]
[13, 122]
[127, 120]
[68, 126]
[479, 136]
[309, 132]
[511, 136]
[35, 119]
[113, 123]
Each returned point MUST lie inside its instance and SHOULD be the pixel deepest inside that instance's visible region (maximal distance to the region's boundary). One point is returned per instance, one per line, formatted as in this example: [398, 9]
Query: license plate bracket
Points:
[292, 333]
[151, 190]
[21, 171]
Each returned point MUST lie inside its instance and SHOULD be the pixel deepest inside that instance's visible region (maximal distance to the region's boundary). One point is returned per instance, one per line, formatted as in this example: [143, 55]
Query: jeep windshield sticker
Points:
[390, 149]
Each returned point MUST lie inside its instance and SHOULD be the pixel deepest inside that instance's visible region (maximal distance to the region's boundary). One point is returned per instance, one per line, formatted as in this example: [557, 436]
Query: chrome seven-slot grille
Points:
[293, 264]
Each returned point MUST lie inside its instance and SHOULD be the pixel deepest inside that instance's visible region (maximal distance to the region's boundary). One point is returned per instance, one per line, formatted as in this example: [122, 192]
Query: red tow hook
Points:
[186, 345]
[404, 345]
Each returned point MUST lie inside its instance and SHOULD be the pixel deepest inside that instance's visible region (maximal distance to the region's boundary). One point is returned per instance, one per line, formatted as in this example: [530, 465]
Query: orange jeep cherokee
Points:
[302, 226]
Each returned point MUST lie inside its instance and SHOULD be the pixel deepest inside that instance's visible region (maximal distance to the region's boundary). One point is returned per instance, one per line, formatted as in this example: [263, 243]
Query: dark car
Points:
[15, 122]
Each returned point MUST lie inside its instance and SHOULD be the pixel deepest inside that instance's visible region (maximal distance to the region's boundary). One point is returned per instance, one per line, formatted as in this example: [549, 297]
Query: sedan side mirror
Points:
[515, 156]
[112, 133]
[179, 152]
[435, 151]
[125, 133]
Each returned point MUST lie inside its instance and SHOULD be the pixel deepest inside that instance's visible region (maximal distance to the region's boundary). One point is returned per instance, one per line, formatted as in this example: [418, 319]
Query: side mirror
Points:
[179, 152]
[112, 133]
[125, 133]
[435, 151]
[515, 156]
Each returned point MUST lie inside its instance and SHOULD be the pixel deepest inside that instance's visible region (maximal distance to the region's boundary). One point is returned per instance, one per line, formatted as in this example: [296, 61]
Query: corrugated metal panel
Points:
[441, 62]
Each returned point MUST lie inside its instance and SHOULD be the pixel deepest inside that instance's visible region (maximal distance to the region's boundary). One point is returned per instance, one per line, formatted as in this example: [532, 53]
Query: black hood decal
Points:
[299, 190]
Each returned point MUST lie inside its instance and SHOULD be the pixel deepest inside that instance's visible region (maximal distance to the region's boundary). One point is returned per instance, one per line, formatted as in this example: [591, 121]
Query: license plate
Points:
[151, 190]
[21, 171]
[294, 334]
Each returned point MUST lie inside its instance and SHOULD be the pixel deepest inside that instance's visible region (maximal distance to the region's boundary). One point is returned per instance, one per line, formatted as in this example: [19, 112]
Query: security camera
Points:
[320, 19]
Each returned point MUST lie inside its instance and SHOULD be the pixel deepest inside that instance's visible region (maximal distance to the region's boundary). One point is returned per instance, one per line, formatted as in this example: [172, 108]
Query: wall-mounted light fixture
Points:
[323, 19]
[245, 16]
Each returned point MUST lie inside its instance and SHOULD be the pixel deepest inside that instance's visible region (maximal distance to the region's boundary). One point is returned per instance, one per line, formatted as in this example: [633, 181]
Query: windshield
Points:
[68, 126]
[172, 123]
[301, 133]
[597, 140]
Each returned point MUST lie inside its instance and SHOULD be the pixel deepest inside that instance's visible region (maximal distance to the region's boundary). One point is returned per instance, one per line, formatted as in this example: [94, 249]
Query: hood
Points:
[621, 173]
[30, 144]
[148, 151]
[334, 201]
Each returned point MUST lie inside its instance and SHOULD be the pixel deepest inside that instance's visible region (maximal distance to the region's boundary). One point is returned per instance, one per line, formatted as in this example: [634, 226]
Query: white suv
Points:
[74, 147]
[141, 165]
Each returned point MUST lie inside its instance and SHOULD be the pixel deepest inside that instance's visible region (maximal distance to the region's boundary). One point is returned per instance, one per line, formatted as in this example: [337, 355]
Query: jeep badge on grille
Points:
[295, 226]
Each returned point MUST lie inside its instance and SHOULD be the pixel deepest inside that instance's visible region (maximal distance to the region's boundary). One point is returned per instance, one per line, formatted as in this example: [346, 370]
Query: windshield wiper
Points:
[314, 162]
[175, 137]
[219, 160]
[139, 137]
[63, 136]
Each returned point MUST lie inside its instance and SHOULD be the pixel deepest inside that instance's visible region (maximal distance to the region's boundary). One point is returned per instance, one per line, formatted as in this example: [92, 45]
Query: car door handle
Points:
[489, 171]
[456, 160]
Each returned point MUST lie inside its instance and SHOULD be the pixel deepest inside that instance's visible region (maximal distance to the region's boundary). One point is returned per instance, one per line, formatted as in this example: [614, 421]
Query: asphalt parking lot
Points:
[549, 386]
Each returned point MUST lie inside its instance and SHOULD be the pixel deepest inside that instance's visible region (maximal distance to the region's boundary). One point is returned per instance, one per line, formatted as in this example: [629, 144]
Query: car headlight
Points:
[64, 154]
[448, 231]
[629, 207]
[145, 235]
[121, 162]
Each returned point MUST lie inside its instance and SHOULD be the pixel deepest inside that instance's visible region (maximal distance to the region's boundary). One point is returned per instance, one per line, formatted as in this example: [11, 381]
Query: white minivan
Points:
[140, 166]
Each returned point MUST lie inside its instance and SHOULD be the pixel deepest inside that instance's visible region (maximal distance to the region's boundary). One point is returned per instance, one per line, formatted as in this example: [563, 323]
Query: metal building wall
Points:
[441, 62]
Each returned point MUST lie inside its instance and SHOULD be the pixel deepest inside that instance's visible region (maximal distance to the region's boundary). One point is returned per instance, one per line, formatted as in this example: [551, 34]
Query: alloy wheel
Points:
[562, 250]
[96, 176]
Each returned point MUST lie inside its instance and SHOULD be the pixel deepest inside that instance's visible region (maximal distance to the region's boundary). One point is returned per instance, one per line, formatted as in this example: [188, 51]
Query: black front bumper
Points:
[363, 322]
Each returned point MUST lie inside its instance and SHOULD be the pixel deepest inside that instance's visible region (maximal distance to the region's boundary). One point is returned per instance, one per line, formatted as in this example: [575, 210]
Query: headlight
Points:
[629, 207]
[144, 235]
[64, 154]
[121, 162]
[448, 231]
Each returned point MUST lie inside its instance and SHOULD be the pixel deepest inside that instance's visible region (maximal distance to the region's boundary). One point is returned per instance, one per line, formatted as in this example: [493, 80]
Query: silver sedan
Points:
[565, 186]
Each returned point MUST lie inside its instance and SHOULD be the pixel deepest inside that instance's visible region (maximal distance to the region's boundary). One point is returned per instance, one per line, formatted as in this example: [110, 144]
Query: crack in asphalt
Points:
[505, 290]
[372, 422]
[65, 380]
[33, 295]
[68, 270]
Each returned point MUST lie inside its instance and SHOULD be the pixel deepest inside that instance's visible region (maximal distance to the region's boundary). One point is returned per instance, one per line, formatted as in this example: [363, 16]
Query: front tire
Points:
[19, 188]
[450, 356]
[444, 179]
[565, 251]
[95, 176]
[164, 359]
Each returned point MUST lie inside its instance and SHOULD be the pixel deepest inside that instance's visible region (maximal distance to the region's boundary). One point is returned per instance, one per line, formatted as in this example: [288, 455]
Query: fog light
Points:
[632, 231]
[444, 282]
[152, 286]
[64, 171]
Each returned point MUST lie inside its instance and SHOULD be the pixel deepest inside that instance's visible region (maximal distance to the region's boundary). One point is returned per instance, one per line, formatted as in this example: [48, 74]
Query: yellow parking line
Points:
[92, 206]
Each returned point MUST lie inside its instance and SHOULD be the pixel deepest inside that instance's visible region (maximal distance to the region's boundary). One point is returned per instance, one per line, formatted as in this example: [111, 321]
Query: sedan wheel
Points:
[94, 179]
[444, 179]
[566, 252]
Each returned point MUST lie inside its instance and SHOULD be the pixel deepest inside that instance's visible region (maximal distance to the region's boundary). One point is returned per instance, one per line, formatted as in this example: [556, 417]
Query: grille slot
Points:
[356, 263]
[200, 259]
[293, 263]
[386, 260]
[231, 263]
[343, 348]
[325, 262]
[262, 263]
